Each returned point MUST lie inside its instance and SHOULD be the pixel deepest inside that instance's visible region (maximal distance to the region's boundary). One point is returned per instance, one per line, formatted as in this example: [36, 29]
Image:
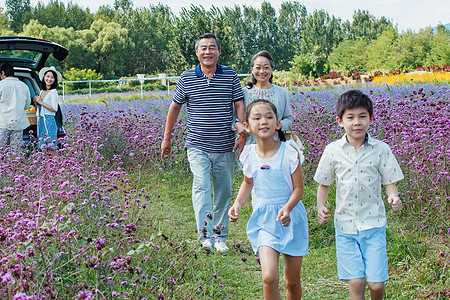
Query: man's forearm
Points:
[172, 117]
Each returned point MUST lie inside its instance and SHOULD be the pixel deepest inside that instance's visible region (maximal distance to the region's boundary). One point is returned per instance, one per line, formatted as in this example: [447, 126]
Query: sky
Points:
[406, 14]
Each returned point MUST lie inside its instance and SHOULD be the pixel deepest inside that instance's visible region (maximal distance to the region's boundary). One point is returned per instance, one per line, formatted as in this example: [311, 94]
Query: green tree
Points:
[322, 33]
[150, 29]
[37, 30]
[188, 27]
[267, 38]
[413, 48]
[291, 22]
[244, 31]
[350, 55]
[105, 13]
[79, 54]
[51, 15]
[302, 64]
[4, 24]
[440, 47]
[382, 53]
[123, 5]
[55, 13]
[77, 17]
[109, 44]
[19, 12]
[255, 29]
[365, 25]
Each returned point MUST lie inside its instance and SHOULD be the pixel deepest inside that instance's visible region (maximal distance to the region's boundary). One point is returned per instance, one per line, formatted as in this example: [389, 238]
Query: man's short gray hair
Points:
[207, 36]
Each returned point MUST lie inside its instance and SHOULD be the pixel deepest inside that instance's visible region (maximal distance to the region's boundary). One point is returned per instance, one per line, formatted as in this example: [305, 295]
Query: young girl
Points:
[273, 173]
[47, 104]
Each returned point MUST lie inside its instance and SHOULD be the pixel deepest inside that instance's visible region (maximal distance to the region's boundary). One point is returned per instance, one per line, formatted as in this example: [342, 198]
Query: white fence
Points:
[164, 80]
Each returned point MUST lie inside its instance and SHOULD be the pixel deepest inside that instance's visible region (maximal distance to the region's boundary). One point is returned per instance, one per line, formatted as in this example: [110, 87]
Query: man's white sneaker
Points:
[220, 246]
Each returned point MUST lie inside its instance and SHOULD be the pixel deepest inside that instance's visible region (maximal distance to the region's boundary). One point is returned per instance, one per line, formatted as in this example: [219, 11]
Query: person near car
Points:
[47, 105]
[212, 92]
[14, 100]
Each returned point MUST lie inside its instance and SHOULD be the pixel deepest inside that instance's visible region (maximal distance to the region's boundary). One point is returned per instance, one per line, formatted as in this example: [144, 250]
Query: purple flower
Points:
[21, 296]
[85, 295]
[265, 167]
[7, 278]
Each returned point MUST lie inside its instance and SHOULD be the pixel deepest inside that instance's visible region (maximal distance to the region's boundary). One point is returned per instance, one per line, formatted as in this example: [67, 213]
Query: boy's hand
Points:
[233, 213]
[322, 215]
[396, 203]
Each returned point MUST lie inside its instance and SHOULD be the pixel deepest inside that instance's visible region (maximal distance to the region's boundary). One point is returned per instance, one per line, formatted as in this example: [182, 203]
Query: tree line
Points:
[120, 40]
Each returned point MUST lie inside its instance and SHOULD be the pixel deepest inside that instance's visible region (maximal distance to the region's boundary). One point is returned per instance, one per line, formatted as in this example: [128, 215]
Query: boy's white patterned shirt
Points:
[359, 176]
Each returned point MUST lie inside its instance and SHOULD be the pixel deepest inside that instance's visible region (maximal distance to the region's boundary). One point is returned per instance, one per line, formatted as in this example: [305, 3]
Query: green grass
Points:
[419, 265]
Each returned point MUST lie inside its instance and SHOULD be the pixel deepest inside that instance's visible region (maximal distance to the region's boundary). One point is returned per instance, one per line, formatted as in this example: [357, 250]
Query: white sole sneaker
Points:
[221, 246]
[207, 244]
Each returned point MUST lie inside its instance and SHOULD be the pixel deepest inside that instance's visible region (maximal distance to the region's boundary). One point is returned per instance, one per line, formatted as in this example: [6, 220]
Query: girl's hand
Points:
[284, 215]
[233, 212]
[36, 99]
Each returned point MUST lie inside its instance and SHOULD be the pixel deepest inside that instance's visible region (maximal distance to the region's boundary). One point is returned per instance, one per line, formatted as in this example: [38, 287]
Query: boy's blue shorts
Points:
[362, 255]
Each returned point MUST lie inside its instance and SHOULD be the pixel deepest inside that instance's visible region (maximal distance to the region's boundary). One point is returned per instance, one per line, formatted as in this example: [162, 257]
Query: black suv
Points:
[28, 55]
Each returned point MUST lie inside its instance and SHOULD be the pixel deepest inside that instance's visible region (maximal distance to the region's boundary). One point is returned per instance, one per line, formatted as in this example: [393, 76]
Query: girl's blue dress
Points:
[272, 187]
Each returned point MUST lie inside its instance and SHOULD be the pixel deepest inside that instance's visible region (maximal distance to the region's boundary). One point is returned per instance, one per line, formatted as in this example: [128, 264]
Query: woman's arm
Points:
[52, 98]
[53, 95]
[284, 104]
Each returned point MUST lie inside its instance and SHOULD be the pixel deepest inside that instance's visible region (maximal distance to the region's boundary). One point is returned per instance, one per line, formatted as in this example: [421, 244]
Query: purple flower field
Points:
[76, 226]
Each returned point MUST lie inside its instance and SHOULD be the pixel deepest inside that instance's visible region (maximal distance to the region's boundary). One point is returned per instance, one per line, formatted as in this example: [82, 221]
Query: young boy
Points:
[361, 165]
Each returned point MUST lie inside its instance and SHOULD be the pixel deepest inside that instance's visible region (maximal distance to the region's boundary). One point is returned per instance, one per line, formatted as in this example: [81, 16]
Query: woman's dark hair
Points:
[53, 86]
[353, 99]
[265, 54]
[281, 135]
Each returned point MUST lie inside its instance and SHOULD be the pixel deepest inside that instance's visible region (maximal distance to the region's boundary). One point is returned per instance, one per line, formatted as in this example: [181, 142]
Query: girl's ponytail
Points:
[281, 135]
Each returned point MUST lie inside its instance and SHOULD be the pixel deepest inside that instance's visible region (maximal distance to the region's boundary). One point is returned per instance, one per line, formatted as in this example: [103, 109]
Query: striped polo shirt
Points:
[210, 104]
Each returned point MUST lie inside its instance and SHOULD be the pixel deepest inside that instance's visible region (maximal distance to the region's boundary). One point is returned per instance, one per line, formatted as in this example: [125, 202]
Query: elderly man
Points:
[14, 100]
[211, 92]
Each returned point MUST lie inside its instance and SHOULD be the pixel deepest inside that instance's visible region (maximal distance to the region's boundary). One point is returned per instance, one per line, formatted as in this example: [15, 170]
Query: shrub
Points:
[80, 75]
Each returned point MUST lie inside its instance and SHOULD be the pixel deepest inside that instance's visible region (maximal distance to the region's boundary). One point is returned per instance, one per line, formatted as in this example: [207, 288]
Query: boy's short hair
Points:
[353, 99]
